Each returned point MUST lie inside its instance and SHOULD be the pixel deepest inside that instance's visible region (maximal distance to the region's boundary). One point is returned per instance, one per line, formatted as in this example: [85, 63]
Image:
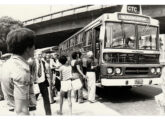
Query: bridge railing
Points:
[63, 13]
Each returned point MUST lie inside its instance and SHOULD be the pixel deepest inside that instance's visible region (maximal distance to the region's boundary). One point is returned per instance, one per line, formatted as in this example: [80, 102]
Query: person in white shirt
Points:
[16, 81]
[42, 81]
[49, 77]
[55, 65]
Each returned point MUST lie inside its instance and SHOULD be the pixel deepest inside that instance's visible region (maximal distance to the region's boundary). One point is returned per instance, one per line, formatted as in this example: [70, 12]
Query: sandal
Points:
[59, 113]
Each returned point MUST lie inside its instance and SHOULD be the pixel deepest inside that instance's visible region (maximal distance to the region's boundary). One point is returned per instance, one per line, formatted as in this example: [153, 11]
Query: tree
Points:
[6, 25]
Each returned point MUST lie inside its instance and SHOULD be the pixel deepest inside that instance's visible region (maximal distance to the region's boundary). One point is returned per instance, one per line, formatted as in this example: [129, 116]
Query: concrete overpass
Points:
[53, 28]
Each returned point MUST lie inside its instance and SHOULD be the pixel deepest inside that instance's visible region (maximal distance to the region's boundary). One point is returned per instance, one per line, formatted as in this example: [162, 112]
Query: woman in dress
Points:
[77, 73]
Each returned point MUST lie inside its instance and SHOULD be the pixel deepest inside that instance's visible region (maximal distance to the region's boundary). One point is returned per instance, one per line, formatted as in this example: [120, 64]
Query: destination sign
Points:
[135, 18]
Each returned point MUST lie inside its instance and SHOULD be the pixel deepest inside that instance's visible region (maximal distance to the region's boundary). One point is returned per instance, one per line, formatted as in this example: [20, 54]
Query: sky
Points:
[25, 12]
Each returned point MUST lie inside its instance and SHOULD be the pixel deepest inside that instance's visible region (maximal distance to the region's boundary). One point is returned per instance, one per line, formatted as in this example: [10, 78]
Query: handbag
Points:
[76, 84]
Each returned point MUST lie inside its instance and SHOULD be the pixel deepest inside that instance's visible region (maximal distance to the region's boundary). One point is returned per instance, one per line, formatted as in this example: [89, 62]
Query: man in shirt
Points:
[16, 82]
[55, 65]
[42, 81]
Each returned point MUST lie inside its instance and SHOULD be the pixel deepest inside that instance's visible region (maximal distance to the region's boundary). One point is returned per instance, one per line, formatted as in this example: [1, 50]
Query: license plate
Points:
[139, 82]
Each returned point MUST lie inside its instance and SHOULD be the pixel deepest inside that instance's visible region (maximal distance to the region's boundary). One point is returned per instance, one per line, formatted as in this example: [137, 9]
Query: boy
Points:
[65, 75]
[16, 82]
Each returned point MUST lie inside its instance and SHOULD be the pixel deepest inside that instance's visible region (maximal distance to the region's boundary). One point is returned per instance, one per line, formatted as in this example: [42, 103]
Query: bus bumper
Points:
[130, 82]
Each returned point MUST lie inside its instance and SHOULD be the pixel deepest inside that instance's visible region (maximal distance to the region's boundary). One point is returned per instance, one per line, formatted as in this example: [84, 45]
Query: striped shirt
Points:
[66, 72]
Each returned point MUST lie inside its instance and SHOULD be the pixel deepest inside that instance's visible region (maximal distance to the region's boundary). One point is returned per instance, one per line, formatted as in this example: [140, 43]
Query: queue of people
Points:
[25, 76]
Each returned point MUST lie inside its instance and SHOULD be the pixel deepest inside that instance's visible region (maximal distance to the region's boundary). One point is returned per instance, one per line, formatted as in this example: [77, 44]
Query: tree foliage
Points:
[6, 25]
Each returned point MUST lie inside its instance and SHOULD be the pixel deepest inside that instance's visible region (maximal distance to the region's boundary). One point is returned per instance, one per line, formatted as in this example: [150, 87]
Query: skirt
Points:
[66, 85]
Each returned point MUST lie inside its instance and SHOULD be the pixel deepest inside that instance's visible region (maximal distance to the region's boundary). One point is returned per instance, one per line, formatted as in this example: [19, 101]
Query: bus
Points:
[126, 45]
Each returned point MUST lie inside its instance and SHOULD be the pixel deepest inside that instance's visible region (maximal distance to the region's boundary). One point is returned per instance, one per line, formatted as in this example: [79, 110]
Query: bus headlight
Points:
[158, 70]
[118, 70]
[110, 70]
[153, 70]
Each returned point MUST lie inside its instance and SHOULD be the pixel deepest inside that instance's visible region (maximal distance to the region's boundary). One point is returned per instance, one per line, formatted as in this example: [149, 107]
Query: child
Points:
[65, 74]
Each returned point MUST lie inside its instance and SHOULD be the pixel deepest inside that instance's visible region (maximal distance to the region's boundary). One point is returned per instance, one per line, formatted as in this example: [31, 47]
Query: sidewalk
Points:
[83, 109]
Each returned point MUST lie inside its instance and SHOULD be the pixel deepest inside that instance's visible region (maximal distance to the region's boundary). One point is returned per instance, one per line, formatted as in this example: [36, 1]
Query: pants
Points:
[79, 95]
[91, 82]
[45, 95]
[50, 90]
[51, 96]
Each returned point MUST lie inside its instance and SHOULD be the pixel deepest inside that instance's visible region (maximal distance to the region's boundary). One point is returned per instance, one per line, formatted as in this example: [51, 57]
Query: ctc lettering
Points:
[133, 9]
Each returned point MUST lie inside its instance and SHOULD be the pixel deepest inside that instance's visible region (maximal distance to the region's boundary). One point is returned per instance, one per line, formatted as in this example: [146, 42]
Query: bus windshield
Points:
[147, 36]
[122, 35]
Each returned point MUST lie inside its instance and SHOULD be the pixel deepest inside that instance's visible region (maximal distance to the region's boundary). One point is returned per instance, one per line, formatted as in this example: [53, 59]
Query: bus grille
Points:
[137, 71]
[131, 58]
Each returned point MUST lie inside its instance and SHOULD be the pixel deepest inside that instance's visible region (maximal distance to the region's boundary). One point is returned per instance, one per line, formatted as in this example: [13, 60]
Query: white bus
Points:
[126, 45]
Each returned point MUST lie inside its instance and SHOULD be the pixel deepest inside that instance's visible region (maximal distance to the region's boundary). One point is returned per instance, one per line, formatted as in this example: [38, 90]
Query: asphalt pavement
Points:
[78, 109]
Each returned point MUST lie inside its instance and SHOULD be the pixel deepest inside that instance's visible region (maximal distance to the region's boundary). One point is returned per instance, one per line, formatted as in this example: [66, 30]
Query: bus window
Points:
[129, 36]
[76, 40]
[88, 38]
[68, 44]
[72, 42]
[120, 36]
[147, 36]
[84, 39]
[113, 29]
[79, 38]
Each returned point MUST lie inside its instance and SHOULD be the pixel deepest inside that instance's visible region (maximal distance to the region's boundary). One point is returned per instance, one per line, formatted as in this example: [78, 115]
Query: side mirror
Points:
[97, 46]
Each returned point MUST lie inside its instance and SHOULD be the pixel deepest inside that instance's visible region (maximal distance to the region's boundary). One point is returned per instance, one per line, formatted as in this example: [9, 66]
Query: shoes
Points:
[59, 113]
[32, 108]
[53, 102]
[11, 109]
[1, 97]
[76, 100]
[81, 101]
[92, 101]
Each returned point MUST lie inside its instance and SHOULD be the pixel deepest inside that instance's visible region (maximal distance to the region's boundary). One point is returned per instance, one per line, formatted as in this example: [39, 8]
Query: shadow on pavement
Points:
[120, 95]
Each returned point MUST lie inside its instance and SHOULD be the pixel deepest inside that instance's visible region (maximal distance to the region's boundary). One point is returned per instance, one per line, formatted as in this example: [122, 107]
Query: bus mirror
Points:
[97, 46]
[102, 33]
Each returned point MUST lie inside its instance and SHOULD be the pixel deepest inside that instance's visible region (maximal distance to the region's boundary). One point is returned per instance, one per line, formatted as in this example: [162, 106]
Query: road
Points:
[137, 101]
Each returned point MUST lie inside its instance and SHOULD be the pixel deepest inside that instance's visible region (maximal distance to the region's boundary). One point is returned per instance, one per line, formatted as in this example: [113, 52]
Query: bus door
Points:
[96, 50]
